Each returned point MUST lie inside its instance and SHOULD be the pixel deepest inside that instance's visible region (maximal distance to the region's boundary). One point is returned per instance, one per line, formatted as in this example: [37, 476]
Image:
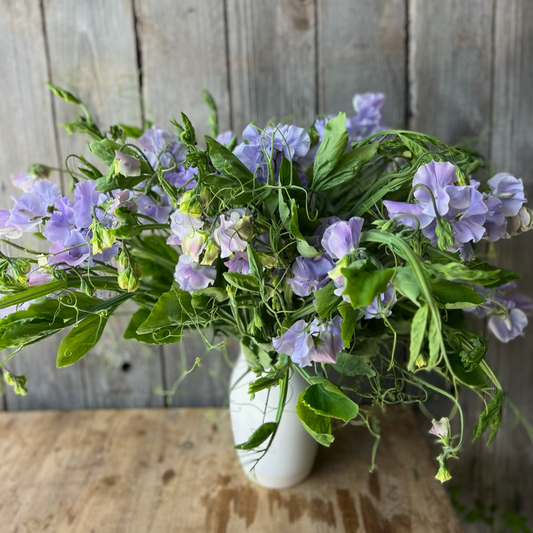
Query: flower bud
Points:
[130, 278]
[190, 204]
[443, 474]
[126, 164]
[444, 232]
[520, 223]
[244, 227]
[211, 253]
[266, 260]
[194, 243]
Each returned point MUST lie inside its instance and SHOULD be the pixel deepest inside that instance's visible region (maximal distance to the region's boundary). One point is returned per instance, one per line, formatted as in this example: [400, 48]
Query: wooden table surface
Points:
[174, 470]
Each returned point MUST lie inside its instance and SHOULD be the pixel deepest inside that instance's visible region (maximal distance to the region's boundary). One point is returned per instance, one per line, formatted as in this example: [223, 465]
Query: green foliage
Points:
[81, 340]
[363, 282]
[454, 296]
[326, 399]
[326, 300]
[318, 426]
[349, 364]
[260, 435]
[418, 331]
[491, 417]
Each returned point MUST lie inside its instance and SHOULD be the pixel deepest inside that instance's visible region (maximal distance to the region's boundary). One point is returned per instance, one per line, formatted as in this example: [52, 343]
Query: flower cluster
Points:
[442, 193]
[279, 239]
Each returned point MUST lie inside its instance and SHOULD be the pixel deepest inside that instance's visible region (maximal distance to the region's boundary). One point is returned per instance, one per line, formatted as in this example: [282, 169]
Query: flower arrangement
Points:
[344, 252]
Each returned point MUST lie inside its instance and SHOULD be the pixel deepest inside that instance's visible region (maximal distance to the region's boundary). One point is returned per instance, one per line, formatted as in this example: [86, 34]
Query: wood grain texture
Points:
[450, 66]
[183, 50]
[27, 135]
[174, 470]
[362, 47]
[272, 59]
[500, 473]
[93, 54]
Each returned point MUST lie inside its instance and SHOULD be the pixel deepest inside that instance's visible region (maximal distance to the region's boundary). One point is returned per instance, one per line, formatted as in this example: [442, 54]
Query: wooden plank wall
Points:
[459, 70]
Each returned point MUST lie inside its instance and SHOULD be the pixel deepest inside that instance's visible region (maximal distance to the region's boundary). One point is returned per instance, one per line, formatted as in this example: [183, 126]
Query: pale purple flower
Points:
[126, 164]
[508, 310]
[382, 301]
[182, 177]
[305, 343]
[495, 224]
[61, 222]
[227, 237]
[510, 191]
[47, 191]
[441, 428]
[327, 340]
[86, 197]
[192, 276]
[310, 274]
[463, 206]
[224, 137]
[73, 253]
[161, 148]
[181, 225]
[27, 212]
[342, 237]
[296, 342]
[324, 225]
[5, 229]
[368, 118]
[147, 207]
[39, 277]
[24, 180]
[239, 263]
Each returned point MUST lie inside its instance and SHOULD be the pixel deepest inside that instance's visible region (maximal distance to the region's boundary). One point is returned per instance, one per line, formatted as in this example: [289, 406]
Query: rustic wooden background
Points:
[458, 69]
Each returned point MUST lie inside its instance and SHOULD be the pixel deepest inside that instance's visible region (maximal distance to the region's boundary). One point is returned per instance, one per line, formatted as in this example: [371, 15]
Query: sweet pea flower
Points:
[194, 243]
[239, 263]
[310, 274]
[161, 148]
[510, 191]
[441, 428]
[24, 180]
[61, 222]
[182, 177]
[147, 207]
[495, 223]
[305, 343]
[6, 230]
[368, 118]
[342, 237]
[227, 236]
[181, 225]
[126, 165]
[73, 253]
[86, 197]
[507, 308]
[39, 277]
[224, 137]
[192, 276]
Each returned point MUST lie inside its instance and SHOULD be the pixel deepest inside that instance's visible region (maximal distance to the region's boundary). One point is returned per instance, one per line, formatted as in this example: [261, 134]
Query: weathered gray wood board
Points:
[183, 50]
[361, 48]
[272, 61]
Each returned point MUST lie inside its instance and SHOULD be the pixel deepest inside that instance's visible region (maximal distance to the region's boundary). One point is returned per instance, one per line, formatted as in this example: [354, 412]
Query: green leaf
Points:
[459, 272]
[454, 296]
[349, 319]
[166, 335]
[260, 435]
[418, 331]
[331, 149]
[70, 98]
[319, 427]
[258, 359]
[363, 282]
[131, 131]
[81, 340]
[256, 268]
[349, 166]
[490, 417]
[228, 163]
[284, 211]
[434, 338]
[31, 294]
[405, 283]
[104, 150]
[352, 365]
[473, 377]
[330, 402]
[415, 148]
[245, 282]
[326, 300]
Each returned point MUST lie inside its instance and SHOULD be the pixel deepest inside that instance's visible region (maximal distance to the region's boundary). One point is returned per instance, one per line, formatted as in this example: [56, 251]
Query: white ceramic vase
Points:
[291, 457]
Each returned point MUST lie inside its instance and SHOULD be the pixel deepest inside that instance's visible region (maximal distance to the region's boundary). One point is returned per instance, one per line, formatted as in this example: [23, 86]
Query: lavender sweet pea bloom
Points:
[39, 278]
[386, 299]
[227, 237]
[296, 342]
[329, 342]
[310, 274]
[61, 222]
[495, 224]
[73, 253]
[508, 326]
[510, 191]
[27, 213]
[181, 225]
[126, 164]
[147, 207]
[5, 229]
[192, 276]
[342, 237]
[225, 137]
[24, 180]
[239, 263]
[160, 147]
[86, 197]
[463, 206]
[368, 118]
